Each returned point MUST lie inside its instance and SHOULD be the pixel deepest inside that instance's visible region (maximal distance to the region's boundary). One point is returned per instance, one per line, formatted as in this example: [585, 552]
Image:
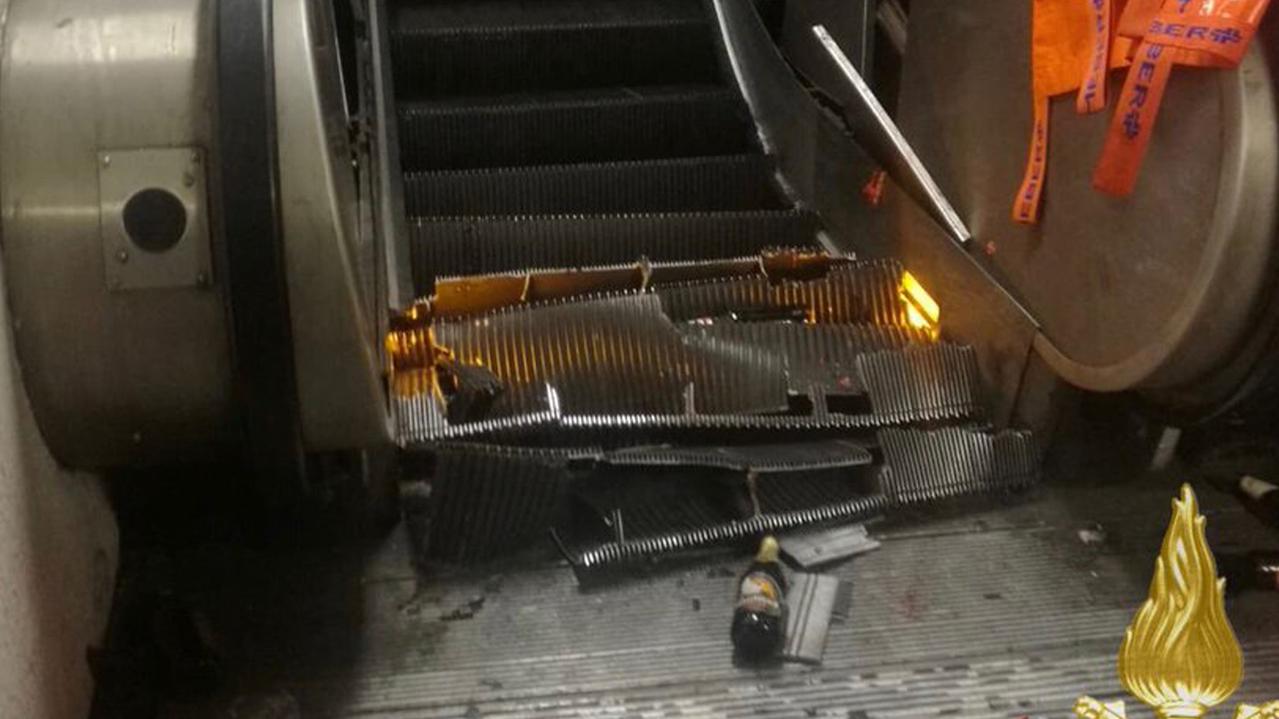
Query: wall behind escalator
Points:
[58, 555]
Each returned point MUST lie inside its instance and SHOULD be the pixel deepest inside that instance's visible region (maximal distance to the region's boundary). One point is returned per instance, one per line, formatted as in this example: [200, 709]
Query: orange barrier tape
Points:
[1071, 50]
[1026, 207]
[1202, 33]
[1092, 93]
[1134, 120]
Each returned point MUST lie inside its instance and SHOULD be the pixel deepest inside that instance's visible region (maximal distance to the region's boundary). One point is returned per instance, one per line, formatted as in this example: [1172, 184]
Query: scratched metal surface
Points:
[992, 612]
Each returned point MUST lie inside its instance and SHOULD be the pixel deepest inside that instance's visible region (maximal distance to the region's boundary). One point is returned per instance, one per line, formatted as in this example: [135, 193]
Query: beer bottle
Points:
[759, 621]
[1260, 497]
[1256, 570]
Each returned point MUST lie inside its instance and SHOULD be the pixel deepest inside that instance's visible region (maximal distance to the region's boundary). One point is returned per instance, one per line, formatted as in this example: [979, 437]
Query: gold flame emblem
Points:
[1179, 655]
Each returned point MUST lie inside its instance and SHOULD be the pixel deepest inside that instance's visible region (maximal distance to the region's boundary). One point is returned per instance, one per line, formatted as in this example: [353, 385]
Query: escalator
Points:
[568, 134]
[608, 289]
[631, 331]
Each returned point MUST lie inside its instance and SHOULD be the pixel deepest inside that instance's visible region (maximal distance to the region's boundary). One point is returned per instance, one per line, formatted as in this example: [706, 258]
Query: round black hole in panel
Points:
[155, 219]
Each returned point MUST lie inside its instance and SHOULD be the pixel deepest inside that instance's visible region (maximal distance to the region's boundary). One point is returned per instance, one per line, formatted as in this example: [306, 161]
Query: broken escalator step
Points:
[926, 465]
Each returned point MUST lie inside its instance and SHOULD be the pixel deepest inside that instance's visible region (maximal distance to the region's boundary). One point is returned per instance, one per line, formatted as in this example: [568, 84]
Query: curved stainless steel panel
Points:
[330, 255]
[1157, 290]
[125, 376]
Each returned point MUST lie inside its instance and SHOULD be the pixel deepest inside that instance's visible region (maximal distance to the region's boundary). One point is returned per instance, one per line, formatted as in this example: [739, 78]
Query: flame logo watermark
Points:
[1179, 655]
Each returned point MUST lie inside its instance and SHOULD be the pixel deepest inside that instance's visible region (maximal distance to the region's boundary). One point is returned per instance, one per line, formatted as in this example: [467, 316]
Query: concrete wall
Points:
[58, 555]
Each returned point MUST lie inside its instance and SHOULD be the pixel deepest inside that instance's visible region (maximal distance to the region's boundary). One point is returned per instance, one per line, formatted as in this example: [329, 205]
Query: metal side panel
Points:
[342, 403]
[128, 374]
[388, 177]
[827, 170]
[1155, 290]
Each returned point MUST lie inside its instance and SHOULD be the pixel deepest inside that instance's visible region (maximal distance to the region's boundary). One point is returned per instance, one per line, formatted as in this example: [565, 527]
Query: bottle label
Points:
[759, 593]
[1256, 488]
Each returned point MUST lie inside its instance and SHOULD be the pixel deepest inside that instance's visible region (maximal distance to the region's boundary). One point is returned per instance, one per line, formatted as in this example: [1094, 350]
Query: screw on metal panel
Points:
[195, 157]
[202, 279]
[122, 256]
[188, 180]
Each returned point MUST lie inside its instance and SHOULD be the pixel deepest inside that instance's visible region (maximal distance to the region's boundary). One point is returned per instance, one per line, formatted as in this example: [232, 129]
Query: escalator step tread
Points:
[726, 183]
[593, 126]
[484, 60]
[485, 245]
[436, 17]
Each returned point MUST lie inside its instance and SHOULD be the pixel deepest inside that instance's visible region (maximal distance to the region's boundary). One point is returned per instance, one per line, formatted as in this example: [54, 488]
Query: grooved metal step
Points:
[820, 358]
[466, 52]
[490, 245]
[609, 125]
[734, 182]
[486, 500]
[933, 383]
[587, 557]
[862, 293]
[927, 465]
[616, 355]
[435, 15]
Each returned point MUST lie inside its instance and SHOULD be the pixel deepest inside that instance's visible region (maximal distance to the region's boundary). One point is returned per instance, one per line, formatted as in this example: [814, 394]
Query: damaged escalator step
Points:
[627, 392]
[820, 357]
[860, 293]
[486, 245]
[613, 355]
[911, 383]
[600, 555]
[760, 459]
[926, 465]
[608, 125]
[487, 500]
[484, 47]
[420, 419]
[732, 182]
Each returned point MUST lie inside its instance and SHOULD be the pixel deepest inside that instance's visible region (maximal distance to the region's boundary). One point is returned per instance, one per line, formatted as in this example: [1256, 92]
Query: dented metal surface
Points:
[928, 383]
[612, 553]
[926, 465]
[761, 459]
[820, 358]
[915, 381]
[860, 293]
[615, 355]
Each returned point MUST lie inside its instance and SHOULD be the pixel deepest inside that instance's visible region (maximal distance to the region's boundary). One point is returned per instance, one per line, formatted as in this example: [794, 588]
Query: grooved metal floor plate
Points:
[999, 611]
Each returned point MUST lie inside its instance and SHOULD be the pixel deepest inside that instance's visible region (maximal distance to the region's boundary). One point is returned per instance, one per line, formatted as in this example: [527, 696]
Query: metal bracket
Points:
[153, 218]
[885, 142]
